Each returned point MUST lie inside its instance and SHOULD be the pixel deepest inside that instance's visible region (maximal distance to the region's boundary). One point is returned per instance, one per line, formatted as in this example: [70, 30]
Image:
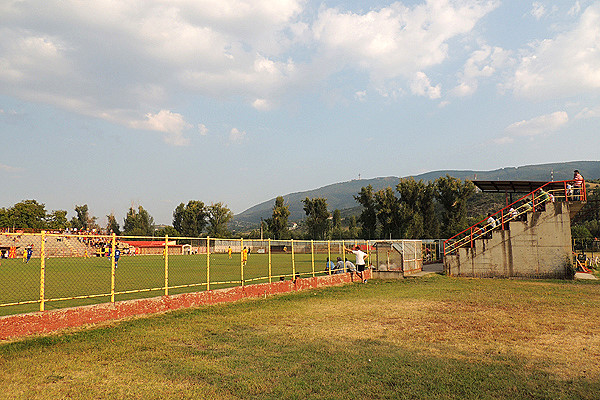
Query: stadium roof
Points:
[516, 186]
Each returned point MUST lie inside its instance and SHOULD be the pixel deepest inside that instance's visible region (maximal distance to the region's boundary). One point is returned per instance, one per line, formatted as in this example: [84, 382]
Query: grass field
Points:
[421, 338]
[67, 277]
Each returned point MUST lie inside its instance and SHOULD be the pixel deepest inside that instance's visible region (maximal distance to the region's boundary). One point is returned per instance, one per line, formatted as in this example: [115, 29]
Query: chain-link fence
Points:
[404, 256]
[55, 270]
[586, 253]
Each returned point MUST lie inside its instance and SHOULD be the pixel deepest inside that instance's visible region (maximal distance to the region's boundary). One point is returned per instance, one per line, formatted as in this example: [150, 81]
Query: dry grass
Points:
[551, 326]
[434, 337]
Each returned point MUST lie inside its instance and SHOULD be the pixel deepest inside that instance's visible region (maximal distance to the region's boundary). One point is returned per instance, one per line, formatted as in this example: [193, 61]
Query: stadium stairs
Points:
[55, 246]
[529, 238]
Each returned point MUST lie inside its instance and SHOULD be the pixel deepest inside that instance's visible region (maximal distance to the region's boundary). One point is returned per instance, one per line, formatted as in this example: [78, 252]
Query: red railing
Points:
[556, 191]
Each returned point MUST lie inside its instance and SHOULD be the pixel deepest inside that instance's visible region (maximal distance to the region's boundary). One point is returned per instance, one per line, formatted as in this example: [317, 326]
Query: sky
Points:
[151, 102]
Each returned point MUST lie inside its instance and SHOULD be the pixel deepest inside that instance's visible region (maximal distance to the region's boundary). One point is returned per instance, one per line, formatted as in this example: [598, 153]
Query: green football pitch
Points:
[74, 281]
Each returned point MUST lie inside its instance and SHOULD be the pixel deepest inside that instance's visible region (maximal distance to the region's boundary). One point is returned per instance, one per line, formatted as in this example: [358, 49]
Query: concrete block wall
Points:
[539, 248]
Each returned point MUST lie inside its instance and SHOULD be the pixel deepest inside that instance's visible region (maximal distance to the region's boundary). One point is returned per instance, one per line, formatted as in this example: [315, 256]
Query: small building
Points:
[153, 247]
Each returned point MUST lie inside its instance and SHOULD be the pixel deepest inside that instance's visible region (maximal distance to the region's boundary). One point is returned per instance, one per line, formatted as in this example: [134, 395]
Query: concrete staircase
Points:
[538, 247]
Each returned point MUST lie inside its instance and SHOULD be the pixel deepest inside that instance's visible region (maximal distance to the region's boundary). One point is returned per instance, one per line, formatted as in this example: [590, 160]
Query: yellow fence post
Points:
[293, 262]
[312, 256]
[166, 265]
[343, 249]
[112, 269]
[329, 254]
[242, 260]
[42, 270]
[270, 270]
[208, 263]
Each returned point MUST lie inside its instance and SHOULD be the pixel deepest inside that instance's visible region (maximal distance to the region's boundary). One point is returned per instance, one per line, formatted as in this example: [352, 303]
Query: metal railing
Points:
[515, 211]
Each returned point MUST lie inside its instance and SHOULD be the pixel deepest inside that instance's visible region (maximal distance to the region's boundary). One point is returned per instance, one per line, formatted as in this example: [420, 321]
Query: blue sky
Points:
[154, 103]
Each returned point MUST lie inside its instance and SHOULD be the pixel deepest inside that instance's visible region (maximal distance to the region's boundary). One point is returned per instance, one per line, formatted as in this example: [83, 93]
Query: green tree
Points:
[368, 216]
[278, 223]
[580, 232]
[57, 220]
[83, 220]
[218, 217]
[113, 225]
[190, 220]
[388, 213]
[317, 217]
[353, 230]
[27, 214]
[336, 221]
[418, 216]
[138, 223]
[4, 218]
[589, 216]
[431, 224]
[453, 194]
[167, 230]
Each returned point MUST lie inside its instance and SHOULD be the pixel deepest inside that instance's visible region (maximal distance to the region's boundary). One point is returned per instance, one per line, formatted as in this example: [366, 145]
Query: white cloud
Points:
[537, 126]
[421, 86]
[172, 124]
[261, 104]
[8, 168]
[236, 136]
[575, 10]
[538, 10]
[202, 129]
[504, 140]
[57, 52]
[587, 112]
[396, 41]
[567, 65]
[482, 63]
[360, 95]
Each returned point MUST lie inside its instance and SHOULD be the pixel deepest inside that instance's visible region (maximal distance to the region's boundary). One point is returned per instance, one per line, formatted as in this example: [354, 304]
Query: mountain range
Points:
[341, 195]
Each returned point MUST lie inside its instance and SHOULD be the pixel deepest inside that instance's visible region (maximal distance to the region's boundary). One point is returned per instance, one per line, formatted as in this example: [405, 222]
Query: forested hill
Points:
[341, 195]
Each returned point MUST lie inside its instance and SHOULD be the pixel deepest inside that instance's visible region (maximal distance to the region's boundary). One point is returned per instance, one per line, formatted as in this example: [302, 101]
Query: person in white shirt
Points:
[491, 221]
[360, 261]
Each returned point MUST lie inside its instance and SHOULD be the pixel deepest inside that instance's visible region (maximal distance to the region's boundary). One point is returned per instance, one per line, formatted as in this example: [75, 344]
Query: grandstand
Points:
[55, 245]
[530, 237]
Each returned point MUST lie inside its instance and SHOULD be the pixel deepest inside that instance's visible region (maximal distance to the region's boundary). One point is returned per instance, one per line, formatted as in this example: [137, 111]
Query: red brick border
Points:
[13, 326]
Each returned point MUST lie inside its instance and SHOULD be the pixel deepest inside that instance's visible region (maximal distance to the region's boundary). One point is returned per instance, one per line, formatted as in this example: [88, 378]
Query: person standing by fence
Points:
[360, 261]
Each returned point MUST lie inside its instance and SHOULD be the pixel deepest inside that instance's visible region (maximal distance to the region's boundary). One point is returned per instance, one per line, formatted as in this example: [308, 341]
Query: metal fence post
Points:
[329, 254]
[312, 256]
[208, 263]
[344, 255]
[293, 262]
[166, 265]
[42, 270]
[270, 270]
[112, 269]
[242, 261]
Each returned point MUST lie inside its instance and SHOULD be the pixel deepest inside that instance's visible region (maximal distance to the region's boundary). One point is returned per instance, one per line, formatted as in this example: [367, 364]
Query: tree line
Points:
[410, 210]
[190, 220]
[413, 209]
[587, 222]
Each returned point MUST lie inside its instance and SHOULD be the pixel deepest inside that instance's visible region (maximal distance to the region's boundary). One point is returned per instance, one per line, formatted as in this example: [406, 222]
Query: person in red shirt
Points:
[578, 184]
